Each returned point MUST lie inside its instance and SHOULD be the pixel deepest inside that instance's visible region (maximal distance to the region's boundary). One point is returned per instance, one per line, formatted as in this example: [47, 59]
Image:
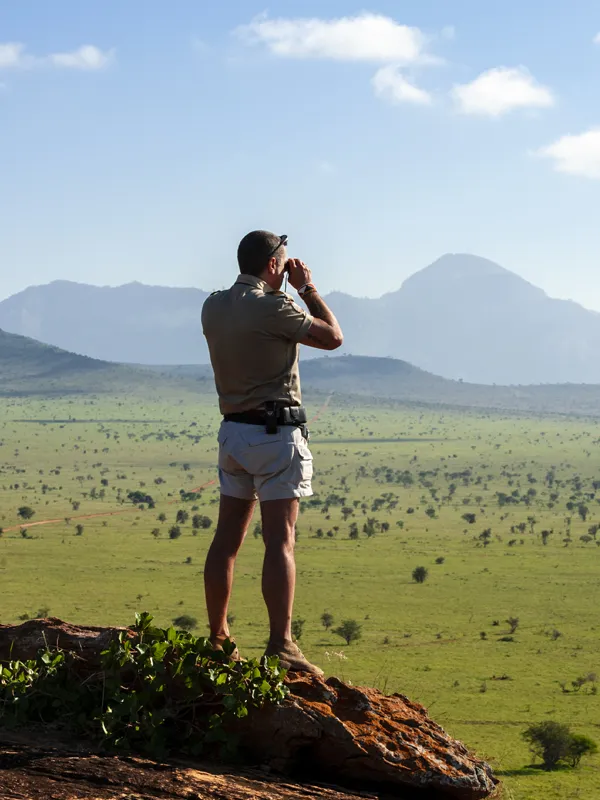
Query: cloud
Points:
[365, 37]
[390, 85]
[501, 90]
[87, 57]
[576, 155]
[597, 38]
[12, 55]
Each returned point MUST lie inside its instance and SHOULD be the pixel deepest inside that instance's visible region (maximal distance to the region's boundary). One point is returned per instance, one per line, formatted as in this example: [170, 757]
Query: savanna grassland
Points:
[501, 510]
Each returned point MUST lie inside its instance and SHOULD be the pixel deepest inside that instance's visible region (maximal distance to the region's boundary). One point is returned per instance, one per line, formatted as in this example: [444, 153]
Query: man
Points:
[253, 332]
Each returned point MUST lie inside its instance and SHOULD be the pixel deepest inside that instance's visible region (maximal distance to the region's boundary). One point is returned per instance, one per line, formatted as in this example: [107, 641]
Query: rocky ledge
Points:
[326, 731]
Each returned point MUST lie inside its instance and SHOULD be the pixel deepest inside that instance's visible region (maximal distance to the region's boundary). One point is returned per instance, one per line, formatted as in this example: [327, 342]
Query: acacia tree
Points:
[349, 630]
[327, 620]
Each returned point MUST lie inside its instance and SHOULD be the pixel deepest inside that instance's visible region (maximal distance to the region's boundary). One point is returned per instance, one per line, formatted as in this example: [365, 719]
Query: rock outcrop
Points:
[324, 731]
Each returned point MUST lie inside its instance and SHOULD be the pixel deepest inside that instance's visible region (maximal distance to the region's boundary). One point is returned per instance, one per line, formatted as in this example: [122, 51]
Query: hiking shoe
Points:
[217, 645]
[292, 658]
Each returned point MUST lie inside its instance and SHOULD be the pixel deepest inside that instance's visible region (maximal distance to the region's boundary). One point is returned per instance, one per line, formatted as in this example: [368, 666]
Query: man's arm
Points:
[325, 332]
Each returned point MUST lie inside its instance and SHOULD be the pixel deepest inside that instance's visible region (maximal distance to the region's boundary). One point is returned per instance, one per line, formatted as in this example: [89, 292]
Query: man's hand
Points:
[299, 273]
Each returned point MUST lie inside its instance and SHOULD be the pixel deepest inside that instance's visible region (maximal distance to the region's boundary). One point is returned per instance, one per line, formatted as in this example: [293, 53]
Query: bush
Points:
[581, 745]
[25, 512]
[297, 628]
[349, 630]
[185, 622]
[554, 743]
[174, 532]
[419, 574]
[164, 691]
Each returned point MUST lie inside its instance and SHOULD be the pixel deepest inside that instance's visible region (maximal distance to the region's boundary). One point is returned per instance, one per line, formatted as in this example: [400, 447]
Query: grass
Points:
[424, 640]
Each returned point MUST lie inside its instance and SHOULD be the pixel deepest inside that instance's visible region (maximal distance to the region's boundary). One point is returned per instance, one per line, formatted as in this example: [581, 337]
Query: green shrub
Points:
[419, 574]
[554, 743]
[157, 692]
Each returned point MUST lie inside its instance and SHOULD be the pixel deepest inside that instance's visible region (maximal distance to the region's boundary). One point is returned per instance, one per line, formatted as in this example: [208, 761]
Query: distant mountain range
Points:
[30, 368]
[463, 317]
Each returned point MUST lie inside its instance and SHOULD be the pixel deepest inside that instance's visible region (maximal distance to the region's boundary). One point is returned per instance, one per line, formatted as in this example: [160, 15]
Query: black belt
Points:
[290, 415]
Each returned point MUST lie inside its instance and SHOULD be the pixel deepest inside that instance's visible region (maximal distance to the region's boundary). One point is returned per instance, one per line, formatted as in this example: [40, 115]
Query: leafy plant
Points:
[157, 691]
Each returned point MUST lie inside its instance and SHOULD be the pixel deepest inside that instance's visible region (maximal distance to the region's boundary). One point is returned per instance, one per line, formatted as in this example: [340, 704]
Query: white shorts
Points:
[256, 464]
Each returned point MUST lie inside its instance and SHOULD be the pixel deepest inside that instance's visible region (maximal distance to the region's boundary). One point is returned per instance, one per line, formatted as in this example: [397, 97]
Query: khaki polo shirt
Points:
[253, 333]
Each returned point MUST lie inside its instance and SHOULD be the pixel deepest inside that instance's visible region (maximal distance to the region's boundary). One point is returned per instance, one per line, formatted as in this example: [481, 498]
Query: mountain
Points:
[467, 317]
[133, 323]
[463, 317]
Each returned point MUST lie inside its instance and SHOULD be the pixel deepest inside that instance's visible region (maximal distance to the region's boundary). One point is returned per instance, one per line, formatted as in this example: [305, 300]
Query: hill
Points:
[28, 367]
[461, 317]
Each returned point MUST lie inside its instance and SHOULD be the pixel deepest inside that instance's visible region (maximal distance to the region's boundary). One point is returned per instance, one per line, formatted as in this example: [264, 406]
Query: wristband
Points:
[306, 289]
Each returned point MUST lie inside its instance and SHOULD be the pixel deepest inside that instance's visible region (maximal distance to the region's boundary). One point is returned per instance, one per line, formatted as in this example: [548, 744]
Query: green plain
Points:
[435, 642]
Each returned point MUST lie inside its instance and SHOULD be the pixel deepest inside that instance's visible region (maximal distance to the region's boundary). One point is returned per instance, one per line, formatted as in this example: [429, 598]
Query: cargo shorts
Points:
[268, 466]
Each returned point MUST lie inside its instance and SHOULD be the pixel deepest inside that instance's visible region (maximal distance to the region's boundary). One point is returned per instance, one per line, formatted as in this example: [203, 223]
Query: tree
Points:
[162, 517]
[174, 532]
[419, 574]
[25, 512]
[78, 529]
[549, 741]
[297, 628]
[349, 630]
[583, 511]
[182, 517]
[485, 536]
[470, 518]
[327, 620]
[553, 742]
[545, 536]
[513, 623]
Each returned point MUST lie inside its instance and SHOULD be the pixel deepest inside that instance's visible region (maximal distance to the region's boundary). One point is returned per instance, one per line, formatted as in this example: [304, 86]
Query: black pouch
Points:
[271, 417]
[294, 415]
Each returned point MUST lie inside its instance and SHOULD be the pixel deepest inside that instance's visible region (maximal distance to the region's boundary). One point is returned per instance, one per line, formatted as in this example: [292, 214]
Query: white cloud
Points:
[501, 90]
[576, 155]
[390, 85]
[12, 55]
[365, 37]
[597, 38]
[87, 57]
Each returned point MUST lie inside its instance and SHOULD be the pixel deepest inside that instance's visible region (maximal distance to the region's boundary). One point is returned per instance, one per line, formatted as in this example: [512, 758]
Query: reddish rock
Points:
[351, 736]
[362, 736]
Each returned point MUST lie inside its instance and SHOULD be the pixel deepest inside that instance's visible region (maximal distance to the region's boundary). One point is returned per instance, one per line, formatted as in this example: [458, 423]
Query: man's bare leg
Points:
[279, 581]
[234, 519]
[279, 568]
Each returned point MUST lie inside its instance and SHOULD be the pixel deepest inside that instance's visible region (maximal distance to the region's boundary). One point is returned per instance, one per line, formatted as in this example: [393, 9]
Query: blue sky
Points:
[140, 140]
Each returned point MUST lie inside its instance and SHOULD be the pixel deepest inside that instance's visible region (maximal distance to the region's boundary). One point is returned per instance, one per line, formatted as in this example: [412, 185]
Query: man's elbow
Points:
[337, 340]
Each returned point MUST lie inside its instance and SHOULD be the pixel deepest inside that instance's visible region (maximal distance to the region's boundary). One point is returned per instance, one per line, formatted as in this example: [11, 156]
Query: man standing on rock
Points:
[253, 331]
